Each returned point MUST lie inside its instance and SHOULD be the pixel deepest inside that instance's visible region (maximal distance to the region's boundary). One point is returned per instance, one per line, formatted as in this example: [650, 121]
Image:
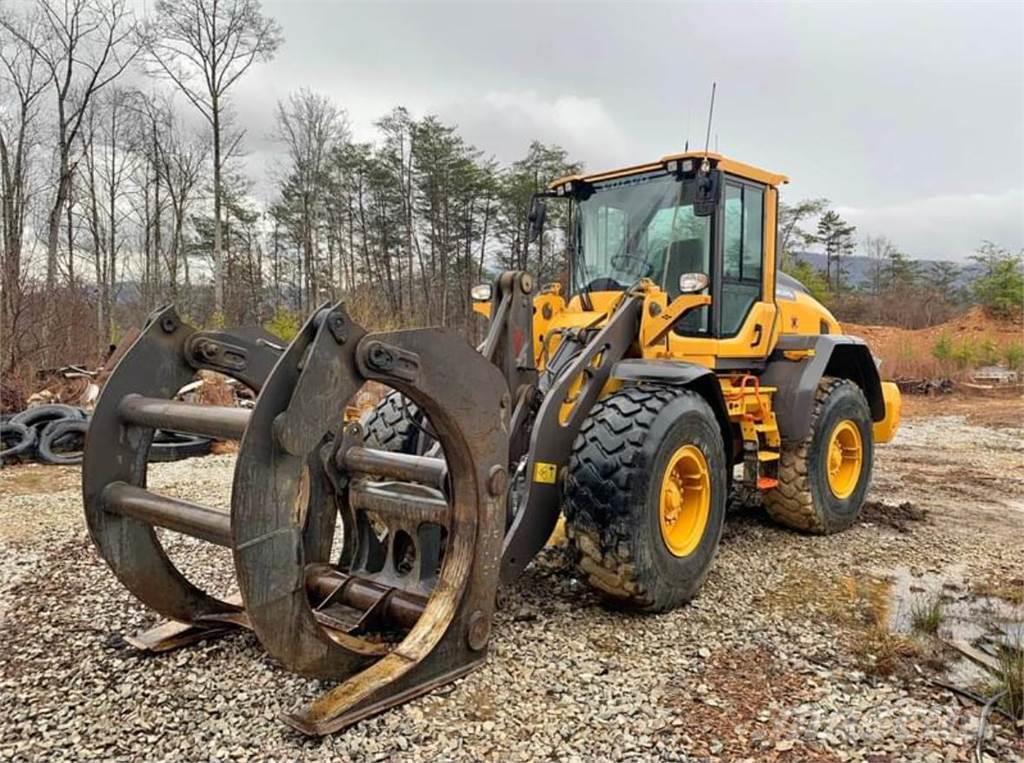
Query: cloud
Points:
[505, 121]
[501, 123]
[950, 226]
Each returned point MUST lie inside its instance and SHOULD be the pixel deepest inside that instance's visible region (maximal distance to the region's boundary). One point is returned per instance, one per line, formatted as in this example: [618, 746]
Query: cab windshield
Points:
[642, 226]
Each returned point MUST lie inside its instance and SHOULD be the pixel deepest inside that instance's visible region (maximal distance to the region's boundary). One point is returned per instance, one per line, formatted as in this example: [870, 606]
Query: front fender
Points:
[677, 373]
[797, 366]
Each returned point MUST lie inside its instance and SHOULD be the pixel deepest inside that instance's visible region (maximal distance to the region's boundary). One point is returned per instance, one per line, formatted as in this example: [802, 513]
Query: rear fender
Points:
[797, 367]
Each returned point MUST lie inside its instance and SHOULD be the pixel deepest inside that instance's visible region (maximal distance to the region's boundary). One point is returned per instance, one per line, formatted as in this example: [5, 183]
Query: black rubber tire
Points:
[803, 500]
[612, 494]
[42, 415]
[394, 424]
[16, 440]
[172, 446]
[55, 435]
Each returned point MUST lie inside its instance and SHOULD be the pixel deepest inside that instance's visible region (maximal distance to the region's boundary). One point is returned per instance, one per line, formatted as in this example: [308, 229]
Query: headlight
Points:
[481, 292]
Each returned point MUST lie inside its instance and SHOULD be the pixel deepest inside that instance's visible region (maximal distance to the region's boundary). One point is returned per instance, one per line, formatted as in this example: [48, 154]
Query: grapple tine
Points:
[120, 513]
[116, 451]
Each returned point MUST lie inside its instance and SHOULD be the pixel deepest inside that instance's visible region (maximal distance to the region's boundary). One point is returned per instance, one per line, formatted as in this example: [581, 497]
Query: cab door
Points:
[745, 319]
[741, 323]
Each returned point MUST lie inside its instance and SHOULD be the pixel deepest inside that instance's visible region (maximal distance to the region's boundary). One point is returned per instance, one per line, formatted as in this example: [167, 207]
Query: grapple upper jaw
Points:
[300, 468]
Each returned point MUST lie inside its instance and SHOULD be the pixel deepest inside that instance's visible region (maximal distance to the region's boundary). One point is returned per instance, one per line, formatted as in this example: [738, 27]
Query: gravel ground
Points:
[775, 660]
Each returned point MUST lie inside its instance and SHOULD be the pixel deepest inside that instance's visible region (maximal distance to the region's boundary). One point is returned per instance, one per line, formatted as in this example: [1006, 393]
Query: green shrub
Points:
[284, 324]
[988, 352]
[1001, 287]
[813, 279]
[965, 356]
[1008, 678]
[1013, 354]
[942, 350]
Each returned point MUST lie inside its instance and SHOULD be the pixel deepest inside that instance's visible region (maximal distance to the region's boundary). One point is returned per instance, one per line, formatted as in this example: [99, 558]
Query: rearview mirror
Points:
[538, 213]
[691, 283]
[706, 197]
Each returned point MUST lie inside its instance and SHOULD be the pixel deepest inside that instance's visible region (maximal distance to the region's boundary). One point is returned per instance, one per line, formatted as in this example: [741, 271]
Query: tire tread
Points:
[390, 425]
[791, 503]
[603, 468]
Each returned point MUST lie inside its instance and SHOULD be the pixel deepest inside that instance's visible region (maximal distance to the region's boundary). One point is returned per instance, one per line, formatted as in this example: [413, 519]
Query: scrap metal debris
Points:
[919, 386]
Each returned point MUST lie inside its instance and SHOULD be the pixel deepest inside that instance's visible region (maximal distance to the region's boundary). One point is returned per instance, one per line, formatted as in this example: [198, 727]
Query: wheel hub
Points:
[685, 500]
[845, 455]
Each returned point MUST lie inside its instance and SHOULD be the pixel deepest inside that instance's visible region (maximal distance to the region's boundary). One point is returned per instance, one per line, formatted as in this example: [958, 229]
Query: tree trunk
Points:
[155, 274]
[218, 249]
[54, 219]
[71, 241]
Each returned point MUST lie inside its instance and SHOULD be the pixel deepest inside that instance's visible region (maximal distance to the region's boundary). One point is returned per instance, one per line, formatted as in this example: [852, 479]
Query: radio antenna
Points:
[711, 113]
[689, 117]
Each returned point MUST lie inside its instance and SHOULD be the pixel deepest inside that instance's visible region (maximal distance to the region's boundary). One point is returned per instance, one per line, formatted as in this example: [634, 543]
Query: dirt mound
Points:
[976, 323]
[909, 352]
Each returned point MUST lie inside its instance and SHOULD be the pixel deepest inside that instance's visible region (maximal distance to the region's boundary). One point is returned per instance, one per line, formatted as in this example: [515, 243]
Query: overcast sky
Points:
[909, 117]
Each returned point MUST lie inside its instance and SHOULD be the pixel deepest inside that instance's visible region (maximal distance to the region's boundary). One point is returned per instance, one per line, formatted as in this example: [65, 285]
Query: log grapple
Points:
[404, 601]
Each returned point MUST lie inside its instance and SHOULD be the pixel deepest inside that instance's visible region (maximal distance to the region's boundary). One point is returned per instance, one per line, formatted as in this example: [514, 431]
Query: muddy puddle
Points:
[972, 618]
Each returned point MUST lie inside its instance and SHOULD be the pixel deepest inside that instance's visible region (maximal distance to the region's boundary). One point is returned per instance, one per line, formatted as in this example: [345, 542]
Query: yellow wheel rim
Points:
[685, 501]
[845, 456]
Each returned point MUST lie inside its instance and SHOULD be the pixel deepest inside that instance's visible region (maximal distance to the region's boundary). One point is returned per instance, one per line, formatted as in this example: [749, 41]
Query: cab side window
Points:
[744, 254]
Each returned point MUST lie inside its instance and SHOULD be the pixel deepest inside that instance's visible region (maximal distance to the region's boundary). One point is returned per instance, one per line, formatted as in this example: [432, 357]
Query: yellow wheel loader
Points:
[678, 364]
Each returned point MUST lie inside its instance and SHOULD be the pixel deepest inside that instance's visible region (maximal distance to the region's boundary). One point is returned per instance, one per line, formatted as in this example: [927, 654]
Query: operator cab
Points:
[686, 216]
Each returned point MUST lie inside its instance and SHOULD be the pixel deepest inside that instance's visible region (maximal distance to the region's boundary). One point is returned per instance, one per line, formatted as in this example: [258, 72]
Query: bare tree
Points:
[879, 250]
[182, 157]
[204, 47]
[150, 114]
[21, 85]
[310, 126]
[83, 46]
[108, 160]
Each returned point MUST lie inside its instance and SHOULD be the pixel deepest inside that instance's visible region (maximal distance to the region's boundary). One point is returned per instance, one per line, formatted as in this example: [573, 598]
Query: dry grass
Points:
[1008, 679]
[370, 310]
[864, 605]
[926, 613]
[1010, 589]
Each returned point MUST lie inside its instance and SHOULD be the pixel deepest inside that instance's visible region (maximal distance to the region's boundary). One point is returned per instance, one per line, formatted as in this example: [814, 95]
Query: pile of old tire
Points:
[55, 434]
[174, 446]
[44, 433]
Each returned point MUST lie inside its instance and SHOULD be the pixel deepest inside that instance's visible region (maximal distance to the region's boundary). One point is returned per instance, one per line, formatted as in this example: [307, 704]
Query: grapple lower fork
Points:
[421, 537]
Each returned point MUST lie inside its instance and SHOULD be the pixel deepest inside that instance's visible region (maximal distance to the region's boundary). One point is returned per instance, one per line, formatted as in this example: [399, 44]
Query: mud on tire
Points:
[612, 494]
[803, 499]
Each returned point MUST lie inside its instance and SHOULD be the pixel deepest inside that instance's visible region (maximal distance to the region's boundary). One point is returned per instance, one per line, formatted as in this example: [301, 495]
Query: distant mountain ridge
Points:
[859, 268]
